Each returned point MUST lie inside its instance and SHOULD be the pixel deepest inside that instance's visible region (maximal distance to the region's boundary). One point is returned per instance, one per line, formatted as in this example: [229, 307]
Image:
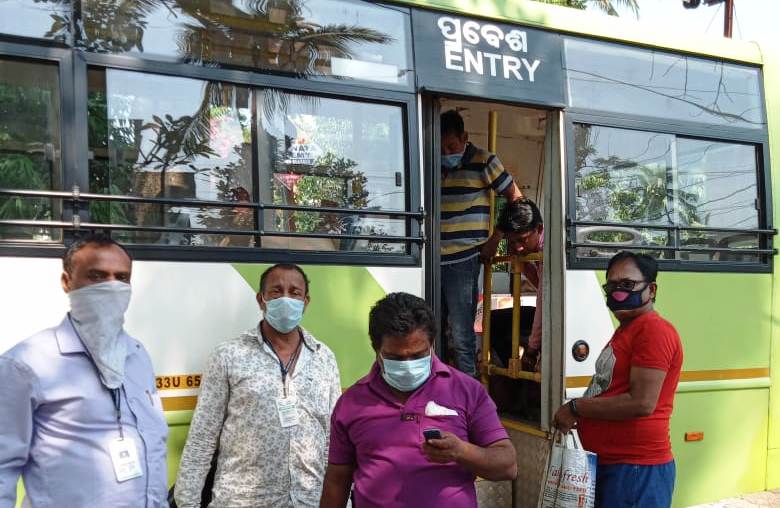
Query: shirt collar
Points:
[309, 341]
[468, 153]
[67, 339]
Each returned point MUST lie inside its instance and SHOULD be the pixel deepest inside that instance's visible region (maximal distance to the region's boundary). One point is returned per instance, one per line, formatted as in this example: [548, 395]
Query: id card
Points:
[124, 456]
[288, 411]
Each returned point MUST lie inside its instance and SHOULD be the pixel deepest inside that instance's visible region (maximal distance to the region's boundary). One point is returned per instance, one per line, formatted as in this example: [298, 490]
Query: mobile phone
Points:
[432, 434]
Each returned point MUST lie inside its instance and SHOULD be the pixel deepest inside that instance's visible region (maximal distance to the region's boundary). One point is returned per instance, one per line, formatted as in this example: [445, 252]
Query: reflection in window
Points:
[346, 39]
[45, 19]
[640, 178]
[187, 139]
[165, 137]
[621, 79]
[30, 155]
[331, 153]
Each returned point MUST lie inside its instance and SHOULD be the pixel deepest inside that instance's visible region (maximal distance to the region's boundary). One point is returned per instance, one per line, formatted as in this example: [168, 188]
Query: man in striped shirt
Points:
[468, 175]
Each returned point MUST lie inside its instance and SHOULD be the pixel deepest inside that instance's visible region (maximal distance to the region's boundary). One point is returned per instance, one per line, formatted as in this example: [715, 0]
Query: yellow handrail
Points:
[514, 369]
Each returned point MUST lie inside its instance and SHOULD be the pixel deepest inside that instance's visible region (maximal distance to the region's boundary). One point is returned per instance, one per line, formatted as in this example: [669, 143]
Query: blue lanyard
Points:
[285, 369]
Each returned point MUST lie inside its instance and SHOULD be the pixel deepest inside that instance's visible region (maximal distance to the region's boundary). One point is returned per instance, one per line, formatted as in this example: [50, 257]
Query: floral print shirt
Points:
[260, 463]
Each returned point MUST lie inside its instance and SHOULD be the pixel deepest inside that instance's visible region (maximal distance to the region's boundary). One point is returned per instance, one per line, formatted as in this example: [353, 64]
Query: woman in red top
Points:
[624, 414]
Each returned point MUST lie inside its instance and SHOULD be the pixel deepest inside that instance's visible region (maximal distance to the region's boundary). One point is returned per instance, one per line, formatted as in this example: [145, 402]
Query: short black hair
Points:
[94, 239]
[284, 266]
[646, 264]
[397, 315]
[519, 216]
[452, 123]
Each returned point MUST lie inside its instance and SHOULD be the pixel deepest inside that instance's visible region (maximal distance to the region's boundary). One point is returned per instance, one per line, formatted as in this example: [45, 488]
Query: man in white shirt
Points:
[265, 405]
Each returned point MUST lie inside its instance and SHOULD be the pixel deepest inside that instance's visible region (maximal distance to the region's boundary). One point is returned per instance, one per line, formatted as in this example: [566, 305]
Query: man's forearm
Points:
[335, 487]
[494, 463]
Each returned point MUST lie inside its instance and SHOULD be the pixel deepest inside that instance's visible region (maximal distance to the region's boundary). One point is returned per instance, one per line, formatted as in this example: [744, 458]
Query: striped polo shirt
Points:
[465, 203]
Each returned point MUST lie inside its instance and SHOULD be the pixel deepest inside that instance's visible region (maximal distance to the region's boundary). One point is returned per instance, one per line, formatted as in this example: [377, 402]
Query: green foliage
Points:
[331, 182]
[614, 189]
[20, 171]
[606, 6]
[25, 153]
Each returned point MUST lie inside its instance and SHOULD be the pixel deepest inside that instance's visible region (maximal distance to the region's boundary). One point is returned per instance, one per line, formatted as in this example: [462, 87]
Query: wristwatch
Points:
[573, 407]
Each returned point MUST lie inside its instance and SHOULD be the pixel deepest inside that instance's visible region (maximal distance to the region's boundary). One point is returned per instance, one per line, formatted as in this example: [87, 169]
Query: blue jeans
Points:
[634, 486]
[459, 288]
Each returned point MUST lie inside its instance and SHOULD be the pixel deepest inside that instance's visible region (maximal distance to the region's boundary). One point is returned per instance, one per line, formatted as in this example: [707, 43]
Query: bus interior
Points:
[517, 136]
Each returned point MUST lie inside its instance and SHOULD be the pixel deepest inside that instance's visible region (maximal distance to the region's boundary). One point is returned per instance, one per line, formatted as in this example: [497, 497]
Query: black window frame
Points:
[74, 65]
[757, 137]
[63, 59]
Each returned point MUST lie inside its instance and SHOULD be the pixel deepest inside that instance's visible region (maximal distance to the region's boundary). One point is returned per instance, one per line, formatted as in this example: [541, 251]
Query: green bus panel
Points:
[730, 460]
[771, 54]
[722, 318]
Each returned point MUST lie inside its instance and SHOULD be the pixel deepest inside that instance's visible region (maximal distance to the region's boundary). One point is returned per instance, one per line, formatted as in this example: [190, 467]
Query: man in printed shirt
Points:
[80, 419]
[521, 224]
[468, 175]
[378, 441]
[265, 405]
[624, 414]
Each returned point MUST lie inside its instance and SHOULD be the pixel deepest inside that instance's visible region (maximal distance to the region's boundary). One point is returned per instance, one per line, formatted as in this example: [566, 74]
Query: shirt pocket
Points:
[450, 423]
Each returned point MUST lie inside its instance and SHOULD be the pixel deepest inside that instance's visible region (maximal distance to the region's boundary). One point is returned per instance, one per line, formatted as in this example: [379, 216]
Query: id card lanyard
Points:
[116, 396]
[285, 369]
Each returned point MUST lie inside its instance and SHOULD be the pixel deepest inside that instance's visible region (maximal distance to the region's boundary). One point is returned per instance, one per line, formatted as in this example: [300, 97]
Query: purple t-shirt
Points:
[383, 438]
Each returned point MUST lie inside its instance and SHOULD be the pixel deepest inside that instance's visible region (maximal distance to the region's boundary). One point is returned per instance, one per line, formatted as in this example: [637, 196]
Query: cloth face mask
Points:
[97, 312]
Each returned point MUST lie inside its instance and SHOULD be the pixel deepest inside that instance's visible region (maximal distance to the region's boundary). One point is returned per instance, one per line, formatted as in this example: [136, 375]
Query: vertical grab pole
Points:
[514, 360]
[487, 281]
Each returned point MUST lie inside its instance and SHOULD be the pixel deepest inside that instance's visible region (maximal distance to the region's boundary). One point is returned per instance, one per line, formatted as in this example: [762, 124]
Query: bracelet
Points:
[573, 407]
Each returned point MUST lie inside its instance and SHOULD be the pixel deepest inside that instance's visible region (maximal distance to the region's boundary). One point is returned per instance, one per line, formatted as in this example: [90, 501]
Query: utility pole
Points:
[728, 18]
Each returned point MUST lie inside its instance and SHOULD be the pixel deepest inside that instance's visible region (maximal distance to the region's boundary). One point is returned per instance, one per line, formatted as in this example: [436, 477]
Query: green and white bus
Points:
[214, 138]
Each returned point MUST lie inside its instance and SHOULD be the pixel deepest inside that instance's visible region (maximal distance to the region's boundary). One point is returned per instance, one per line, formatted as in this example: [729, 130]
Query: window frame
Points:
[74, 65]
[757, 137]
[63, 59]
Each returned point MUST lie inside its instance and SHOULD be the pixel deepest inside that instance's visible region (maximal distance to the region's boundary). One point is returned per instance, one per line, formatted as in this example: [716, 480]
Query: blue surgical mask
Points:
[452, 160]
[283, 314]
[406, 375]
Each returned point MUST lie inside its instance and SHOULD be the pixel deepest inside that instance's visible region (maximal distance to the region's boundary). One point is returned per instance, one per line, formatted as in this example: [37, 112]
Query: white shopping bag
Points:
[570, 476]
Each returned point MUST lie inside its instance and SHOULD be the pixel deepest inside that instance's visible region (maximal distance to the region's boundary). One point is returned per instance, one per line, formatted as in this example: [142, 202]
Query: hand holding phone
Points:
[431, 434]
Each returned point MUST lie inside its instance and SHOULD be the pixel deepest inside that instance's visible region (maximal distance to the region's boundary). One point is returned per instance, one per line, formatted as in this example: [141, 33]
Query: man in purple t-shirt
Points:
[383, 426]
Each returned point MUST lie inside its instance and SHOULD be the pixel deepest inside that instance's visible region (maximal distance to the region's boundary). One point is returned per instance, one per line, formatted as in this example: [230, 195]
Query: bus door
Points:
[527, 142]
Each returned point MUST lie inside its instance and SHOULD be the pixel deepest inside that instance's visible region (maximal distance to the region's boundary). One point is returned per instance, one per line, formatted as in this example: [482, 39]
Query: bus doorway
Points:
[527, 142]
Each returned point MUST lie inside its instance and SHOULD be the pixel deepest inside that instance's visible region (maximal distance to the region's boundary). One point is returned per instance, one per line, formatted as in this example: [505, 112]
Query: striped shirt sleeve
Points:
[496, 176]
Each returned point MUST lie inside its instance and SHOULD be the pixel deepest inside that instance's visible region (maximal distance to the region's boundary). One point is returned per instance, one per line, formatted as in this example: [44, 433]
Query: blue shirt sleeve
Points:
[18, 400]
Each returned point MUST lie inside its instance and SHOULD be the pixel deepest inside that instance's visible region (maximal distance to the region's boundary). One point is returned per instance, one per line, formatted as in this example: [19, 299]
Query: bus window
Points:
[30, 157]
[673, 197]
[633, 81]
[170, 137]
[316, 158]
[44, 20]
[327, 38]
[330, 153]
